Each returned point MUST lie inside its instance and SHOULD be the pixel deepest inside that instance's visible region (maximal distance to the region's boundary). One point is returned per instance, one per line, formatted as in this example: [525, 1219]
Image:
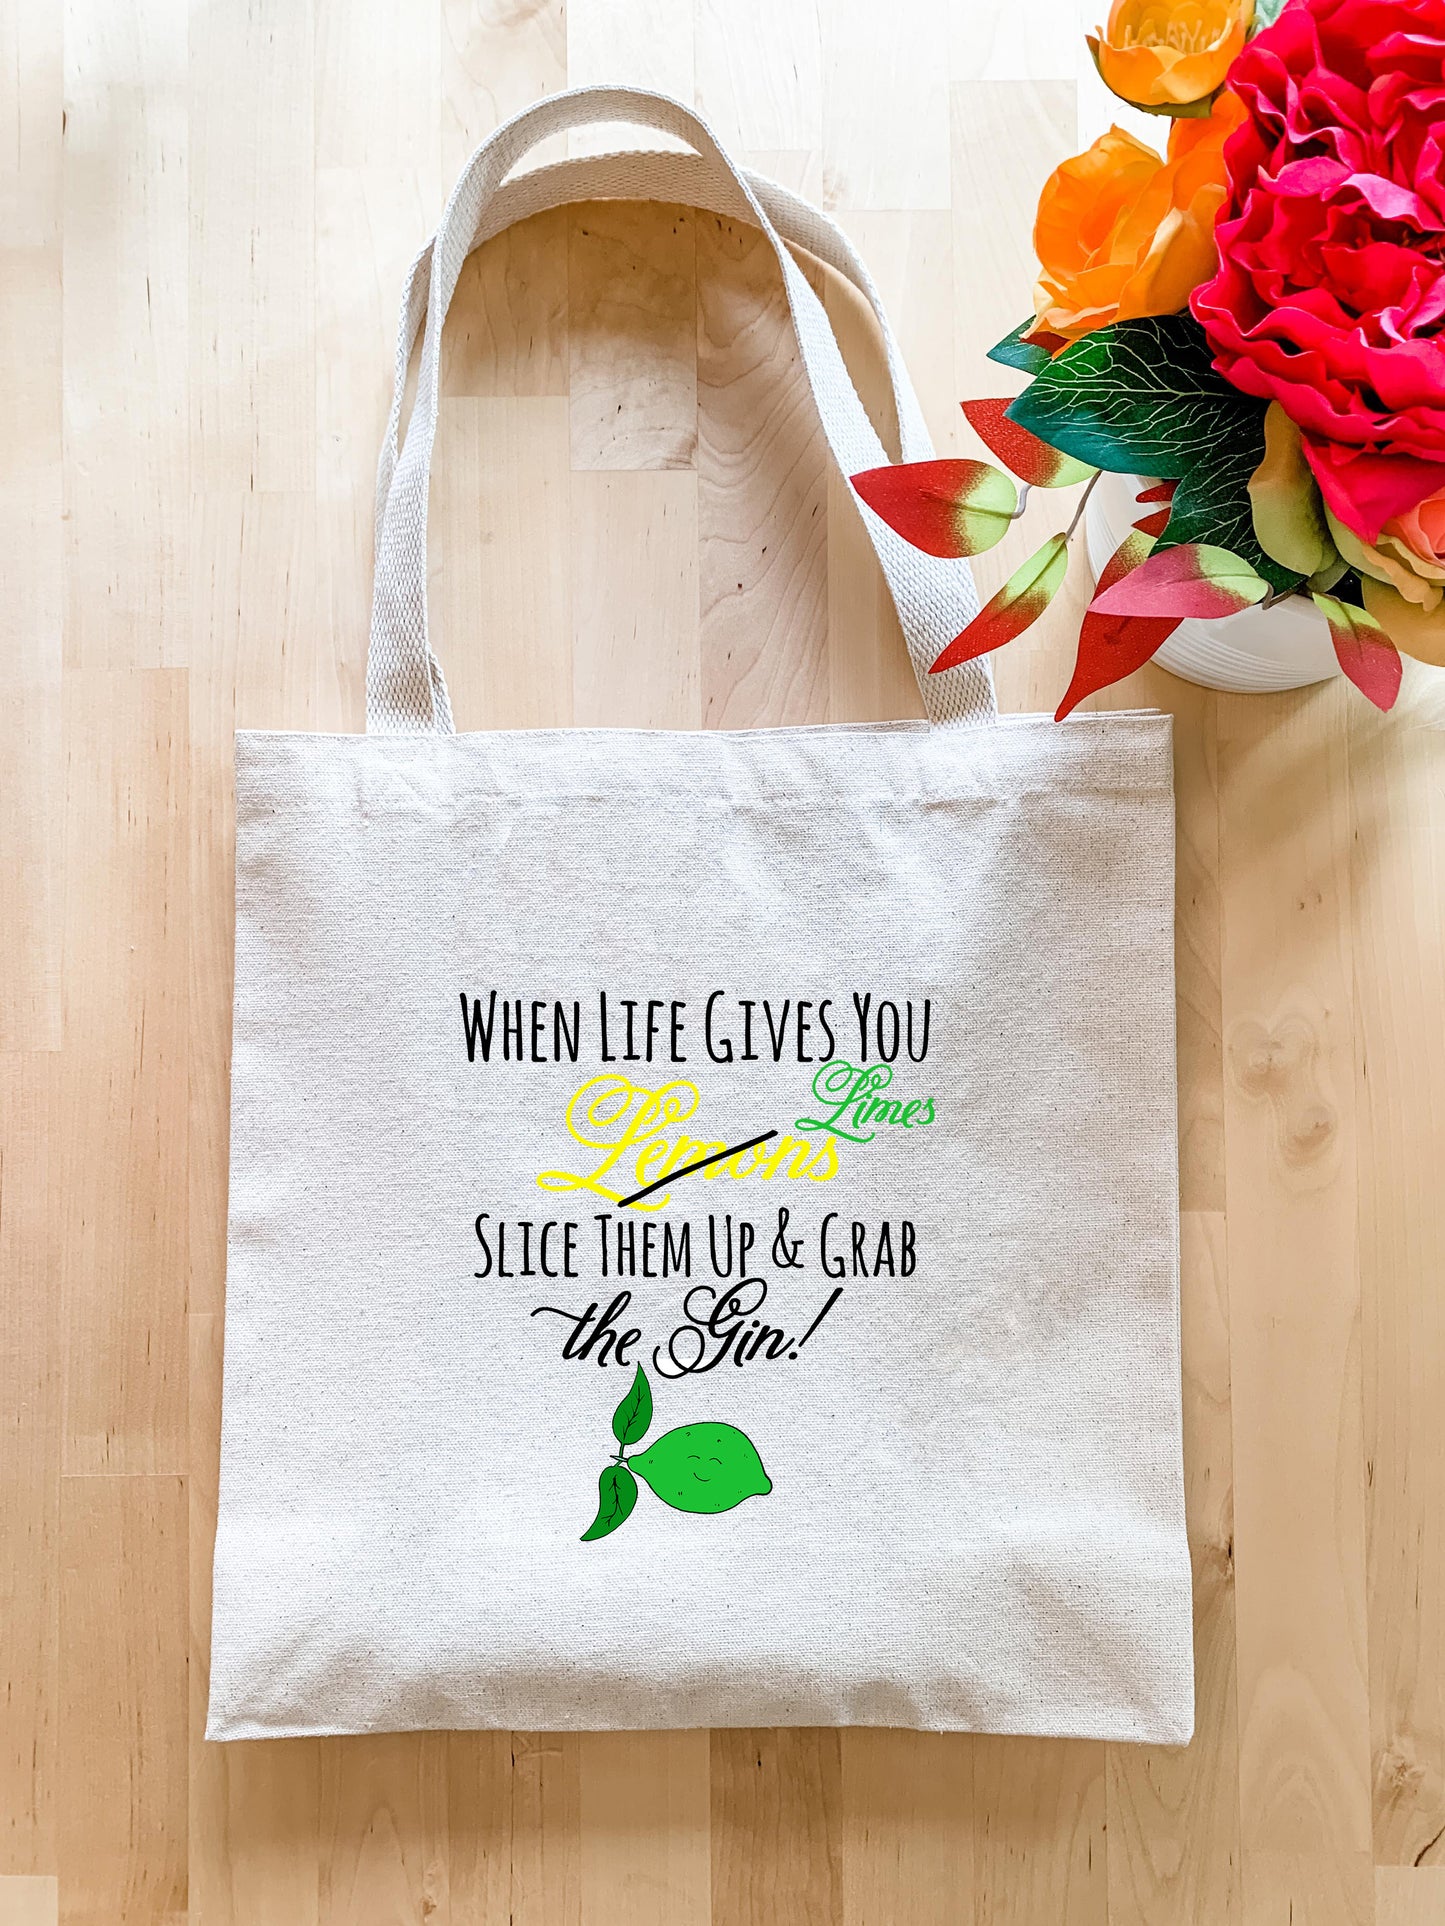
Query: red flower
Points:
[1330, 293]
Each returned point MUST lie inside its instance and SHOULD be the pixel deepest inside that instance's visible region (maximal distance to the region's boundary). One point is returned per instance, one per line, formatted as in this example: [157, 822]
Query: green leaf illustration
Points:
[632, 1417]
[703, 1467]
[1142, 397]
[616, 1495]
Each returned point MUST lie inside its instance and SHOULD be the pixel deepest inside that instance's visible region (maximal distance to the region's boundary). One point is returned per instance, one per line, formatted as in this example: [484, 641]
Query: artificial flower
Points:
[1285, 505]
[1121, 233]
[1403, 576]
[1329, 295]
[1164, 55]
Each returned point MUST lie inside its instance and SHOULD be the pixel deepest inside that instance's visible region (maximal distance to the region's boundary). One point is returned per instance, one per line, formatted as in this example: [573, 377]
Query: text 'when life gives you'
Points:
[660, 1100]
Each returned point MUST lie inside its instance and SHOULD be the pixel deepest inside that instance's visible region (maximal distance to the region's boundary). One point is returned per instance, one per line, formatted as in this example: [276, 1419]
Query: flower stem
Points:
[1083, 503]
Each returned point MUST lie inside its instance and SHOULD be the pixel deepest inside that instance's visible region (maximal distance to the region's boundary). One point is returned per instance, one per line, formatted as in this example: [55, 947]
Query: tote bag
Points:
[703, 1224]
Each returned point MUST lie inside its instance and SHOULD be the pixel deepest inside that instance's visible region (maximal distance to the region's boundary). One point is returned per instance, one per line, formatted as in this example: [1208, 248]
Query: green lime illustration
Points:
[703, 1467]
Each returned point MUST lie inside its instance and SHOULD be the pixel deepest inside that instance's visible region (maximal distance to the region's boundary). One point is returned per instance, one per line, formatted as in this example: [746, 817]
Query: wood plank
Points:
[632, 292]
[507, 330]
[121, 1115]
[32, 88]
[1406, 1896]
[31, 523]
[384, 1815]
[1291, 1159]
[479, 1825]
[124, 335]
[370, 222]
[546, 1883]
[762, 496]
[252, 220]
[777, 1827]
[910, 259]
[254, 1809]
[30, 1437]
[643, 1814]
[263, 663]
[631, 43]
[635, 601]
[32, 815]
[907, 1838]
[29, 1899]
[375, 75]
[1308, 1888]
[759, 79]
[495, 62]
[894, 82]
[1174, 1817]
[501, 535]
[1040, 1832]
[1007, 137]
[1398, 926]
[121, 1791]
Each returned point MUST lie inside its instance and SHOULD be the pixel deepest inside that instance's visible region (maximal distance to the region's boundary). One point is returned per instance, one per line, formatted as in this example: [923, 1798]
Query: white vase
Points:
[1284, 647]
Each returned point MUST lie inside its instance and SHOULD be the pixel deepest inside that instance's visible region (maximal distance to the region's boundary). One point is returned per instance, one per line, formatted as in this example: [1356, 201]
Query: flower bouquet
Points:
[1254, 323]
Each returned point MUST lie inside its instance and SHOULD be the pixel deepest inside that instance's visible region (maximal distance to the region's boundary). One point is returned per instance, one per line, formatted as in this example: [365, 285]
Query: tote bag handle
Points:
[406, 691]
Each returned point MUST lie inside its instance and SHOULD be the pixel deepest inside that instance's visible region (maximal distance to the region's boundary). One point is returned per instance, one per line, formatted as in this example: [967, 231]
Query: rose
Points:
[1330, 291]
[1403, 576]
[1165, 55]
[1121, 233]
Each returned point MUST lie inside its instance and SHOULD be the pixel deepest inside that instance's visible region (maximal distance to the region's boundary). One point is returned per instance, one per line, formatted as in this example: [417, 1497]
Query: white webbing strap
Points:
[406, 692]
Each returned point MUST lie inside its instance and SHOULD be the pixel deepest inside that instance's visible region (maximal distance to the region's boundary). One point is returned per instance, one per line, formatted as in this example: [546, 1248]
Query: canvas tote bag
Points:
[703, 1236]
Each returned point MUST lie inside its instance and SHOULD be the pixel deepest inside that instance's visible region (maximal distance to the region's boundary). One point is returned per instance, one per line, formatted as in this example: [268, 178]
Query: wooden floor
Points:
[204, 216]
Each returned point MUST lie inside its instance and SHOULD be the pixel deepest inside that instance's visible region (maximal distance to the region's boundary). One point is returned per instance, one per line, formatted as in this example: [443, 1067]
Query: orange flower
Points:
[1121, 233]
[1167, 54]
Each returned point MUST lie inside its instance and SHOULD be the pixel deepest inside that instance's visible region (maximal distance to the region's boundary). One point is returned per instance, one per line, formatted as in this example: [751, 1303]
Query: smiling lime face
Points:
[703, 1467]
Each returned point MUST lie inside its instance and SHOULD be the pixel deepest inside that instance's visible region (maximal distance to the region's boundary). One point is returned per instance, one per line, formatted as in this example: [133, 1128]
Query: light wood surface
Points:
[204, 218]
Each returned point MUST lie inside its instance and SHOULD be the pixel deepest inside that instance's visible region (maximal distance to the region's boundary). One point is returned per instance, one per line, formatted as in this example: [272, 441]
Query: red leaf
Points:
[1160, 492]
[1375, 669]
[1113, 646]
[1020, 450]
[1363, 650]
[1049, 342]
[1194, 579]
[1156, 523]
[947, 508]
[1018, 604]
[1134, 549]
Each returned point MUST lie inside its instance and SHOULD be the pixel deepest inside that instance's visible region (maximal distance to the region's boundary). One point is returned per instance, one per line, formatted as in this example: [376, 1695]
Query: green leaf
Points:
[703, 1467]
[1014, 352]
[1285, 504]
[1266, 12]
[1326, 578]
[632, 1417]
[616, 1495]
[1142, 398]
